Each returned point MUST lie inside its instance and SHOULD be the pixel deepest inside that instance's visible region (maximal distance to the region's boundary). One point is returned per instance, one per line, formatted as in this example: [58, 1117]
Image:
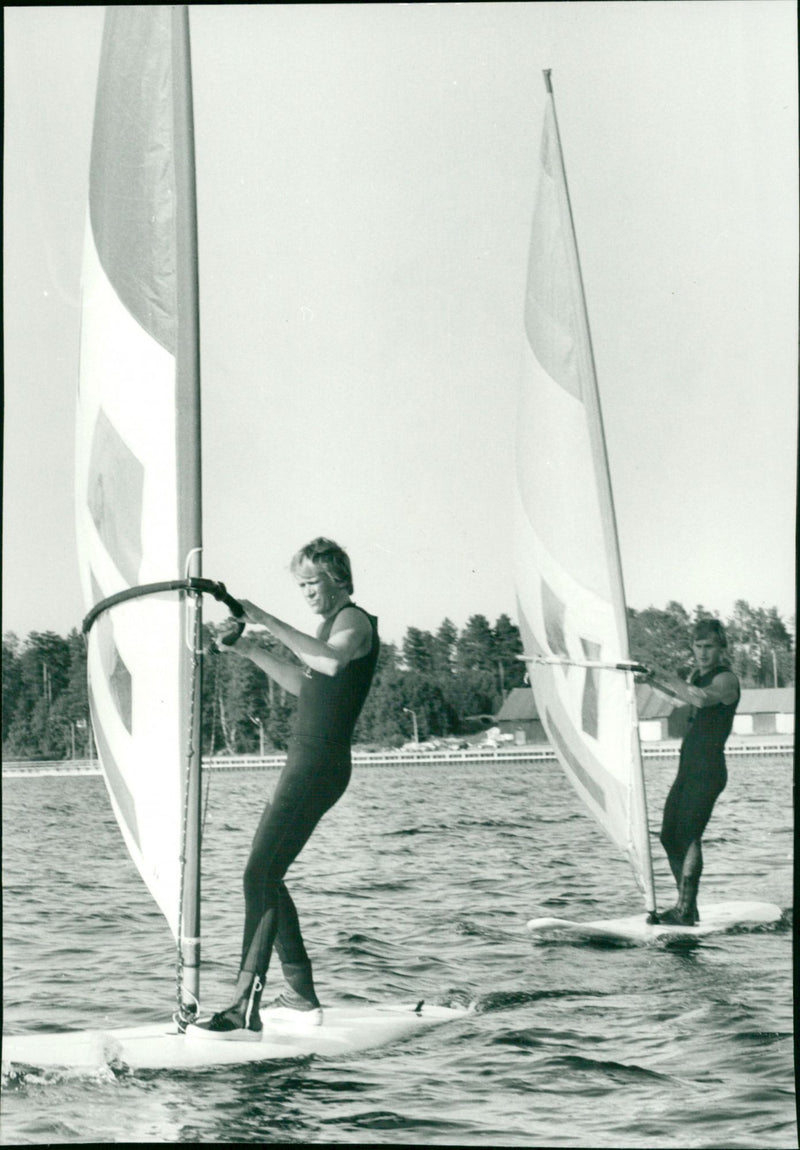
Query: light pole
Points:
[255, 719]
[413, 715]
[82, 725]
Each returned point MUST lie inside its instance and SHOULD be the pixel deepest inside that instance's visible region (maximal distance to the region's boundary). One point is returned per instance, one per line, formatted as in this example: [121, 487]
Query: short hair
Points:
[710, 629]
[330, 558]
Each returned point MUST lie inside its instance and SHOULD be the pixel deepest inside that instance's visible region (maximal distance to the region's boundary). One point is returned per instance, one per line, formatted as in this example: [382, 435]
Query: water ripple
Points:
[408, 891]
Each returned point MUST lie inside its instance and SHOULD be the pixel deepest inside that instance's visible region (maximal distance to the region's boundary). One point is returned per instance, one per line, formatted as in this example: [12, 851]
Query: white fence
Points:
[443, 757]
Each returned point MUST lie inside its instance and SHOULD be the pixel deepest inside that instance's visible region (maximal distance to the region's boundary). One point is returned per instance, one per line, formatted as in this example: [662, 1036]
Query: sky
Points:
[366, 179]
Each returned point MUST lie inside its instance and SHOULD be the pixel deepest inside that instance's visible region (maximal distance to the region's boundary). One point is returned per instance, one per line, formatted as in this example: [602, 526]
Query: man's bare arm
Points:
[723, 688]
[350, 638]
[286, 675]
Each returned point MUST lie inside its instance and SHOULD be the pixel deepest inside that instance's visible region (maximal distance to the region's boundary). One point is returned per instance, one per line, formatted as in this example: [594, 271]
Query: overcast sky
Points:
[366, 178]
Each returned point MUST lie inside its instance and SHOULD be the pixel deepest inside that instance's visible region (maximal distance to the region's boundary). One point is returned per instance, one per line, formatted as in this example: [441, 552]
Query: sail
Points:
[137, 449]
[570, 595]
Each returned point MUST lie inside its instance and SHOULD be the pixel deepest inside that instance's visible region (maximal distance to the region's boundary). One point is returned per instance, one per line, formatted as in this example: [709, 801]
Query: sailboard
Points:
[345, 1030]
[715, 918]
[138, 526]
[568, 572]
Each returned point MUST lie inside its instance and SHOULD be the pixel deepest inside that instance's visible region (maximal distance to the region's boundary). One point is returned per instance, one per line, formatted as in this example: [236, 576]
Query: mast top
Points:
[547, 83]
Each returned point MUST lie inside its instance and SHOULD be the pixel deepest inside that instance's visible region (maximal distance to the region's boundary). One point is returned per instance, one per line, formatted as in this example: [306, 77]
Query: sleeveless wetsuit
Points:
[702, 774]
[314, 777]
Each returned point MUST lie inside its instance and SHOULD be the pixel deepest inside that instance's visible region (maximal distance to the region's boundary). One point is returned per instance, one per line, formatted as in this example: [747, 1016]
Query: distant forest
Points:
[450, 682]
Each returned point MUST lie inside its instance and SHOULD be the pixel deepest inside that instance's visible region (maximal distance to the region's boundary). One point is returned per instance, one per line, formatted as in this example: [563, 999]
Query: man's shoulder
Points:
[352, 617]
[726, 684]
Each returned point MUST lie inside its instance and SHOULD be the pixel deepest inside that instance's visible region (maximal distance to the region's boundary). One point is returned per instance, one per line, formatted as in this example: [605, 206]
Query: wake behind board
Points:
[345, 1030]
[715, 918]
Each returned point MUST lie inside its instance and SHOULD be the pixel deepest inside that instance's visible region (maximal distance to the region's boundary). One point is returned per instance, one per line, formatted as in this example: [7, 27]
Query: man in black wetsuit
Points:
[713, 693]
[337, 669]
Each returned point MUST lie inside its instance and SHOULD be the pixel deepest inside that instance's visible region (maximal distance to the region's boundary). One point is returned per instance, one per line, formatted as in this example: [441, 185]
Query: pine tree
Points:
[444, 648]
[507, 648]
[475, 647]
[760, 646]
[44, 664]
[418, 651]
[12, 681]
[660, 639]
[69, 714]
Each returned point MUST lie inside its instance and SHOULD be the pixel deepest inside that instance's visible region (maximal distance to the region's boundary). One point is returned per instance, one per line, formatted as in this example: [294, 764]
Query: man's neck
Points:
[345, 601]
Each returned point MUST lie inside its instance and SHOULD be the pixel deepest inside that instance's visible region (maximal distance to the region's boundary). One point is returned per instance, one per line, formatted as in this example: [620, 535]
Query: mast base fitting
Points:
[185, 1016]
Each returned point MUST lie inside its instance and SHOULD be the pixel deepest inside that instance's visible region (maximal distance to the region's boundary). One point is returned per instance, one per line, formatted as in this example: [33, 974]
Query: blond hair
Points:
[328, 557]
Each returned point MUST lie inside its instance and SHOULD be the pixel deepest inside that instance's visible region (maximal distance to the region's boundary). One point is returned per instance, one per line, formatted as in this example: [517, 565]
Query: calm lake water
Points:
[418, 885]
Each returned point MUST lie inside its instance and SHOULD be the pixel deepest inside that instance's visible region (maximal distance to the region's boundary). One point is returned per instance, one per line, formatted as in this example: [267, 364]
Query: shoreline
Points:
[472, 756]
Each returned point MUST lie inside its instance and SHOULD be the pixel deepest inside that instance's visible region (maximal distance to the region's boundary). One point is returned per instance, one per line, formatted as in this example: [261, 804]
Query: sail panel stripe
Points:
[574, 763]
[132, 167]
[551, 320]
[114, 497]
[114, 779]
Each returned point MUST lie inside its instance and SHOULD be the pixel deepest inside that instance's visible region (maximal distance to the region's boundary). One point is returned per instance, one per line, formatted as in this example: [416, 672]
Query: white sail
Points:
[570, 593]
[137, 451]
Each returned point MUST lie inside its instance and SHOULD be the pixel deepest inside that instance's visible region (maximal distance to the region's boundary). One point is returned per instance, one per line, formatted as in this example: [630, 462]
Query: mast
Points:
[591, 399]
[190, 542]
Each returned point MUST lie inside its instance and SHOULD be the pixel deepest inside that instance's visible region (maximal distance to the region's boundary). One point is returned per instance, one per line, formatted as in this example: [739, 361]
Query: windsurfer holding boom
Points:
[331, 685]
[713, 693]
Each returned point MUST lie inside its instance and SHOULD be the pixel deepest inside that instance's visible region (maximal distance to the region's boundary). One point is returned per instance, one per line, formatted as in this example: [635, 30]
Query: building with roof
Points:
[765, 711]
[761, 711]
[519, 717]
[660, 716]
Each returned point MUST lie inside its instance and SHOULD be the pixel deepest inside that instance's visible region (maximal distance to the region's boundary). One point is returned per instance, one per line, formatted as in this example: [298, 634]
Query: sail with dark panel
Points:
[570, 594]
[138, 450]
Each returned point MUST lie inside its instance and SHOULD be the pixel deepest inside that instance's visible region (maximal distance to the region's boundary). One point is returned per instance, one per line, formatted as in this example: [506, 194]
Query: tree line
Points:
[435, 684]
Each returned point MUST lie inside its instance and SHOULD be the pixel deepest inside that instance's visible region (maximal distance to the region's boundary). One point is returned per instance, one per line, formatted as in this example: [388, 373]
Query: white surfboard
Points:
[714, 919]
[345, 1030]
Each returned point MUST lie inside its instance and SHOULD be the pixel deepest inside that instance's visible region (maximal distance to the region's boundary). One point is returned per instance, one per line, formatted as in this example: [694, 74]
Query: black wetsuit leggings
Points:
[314, 777]
[690, 803]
